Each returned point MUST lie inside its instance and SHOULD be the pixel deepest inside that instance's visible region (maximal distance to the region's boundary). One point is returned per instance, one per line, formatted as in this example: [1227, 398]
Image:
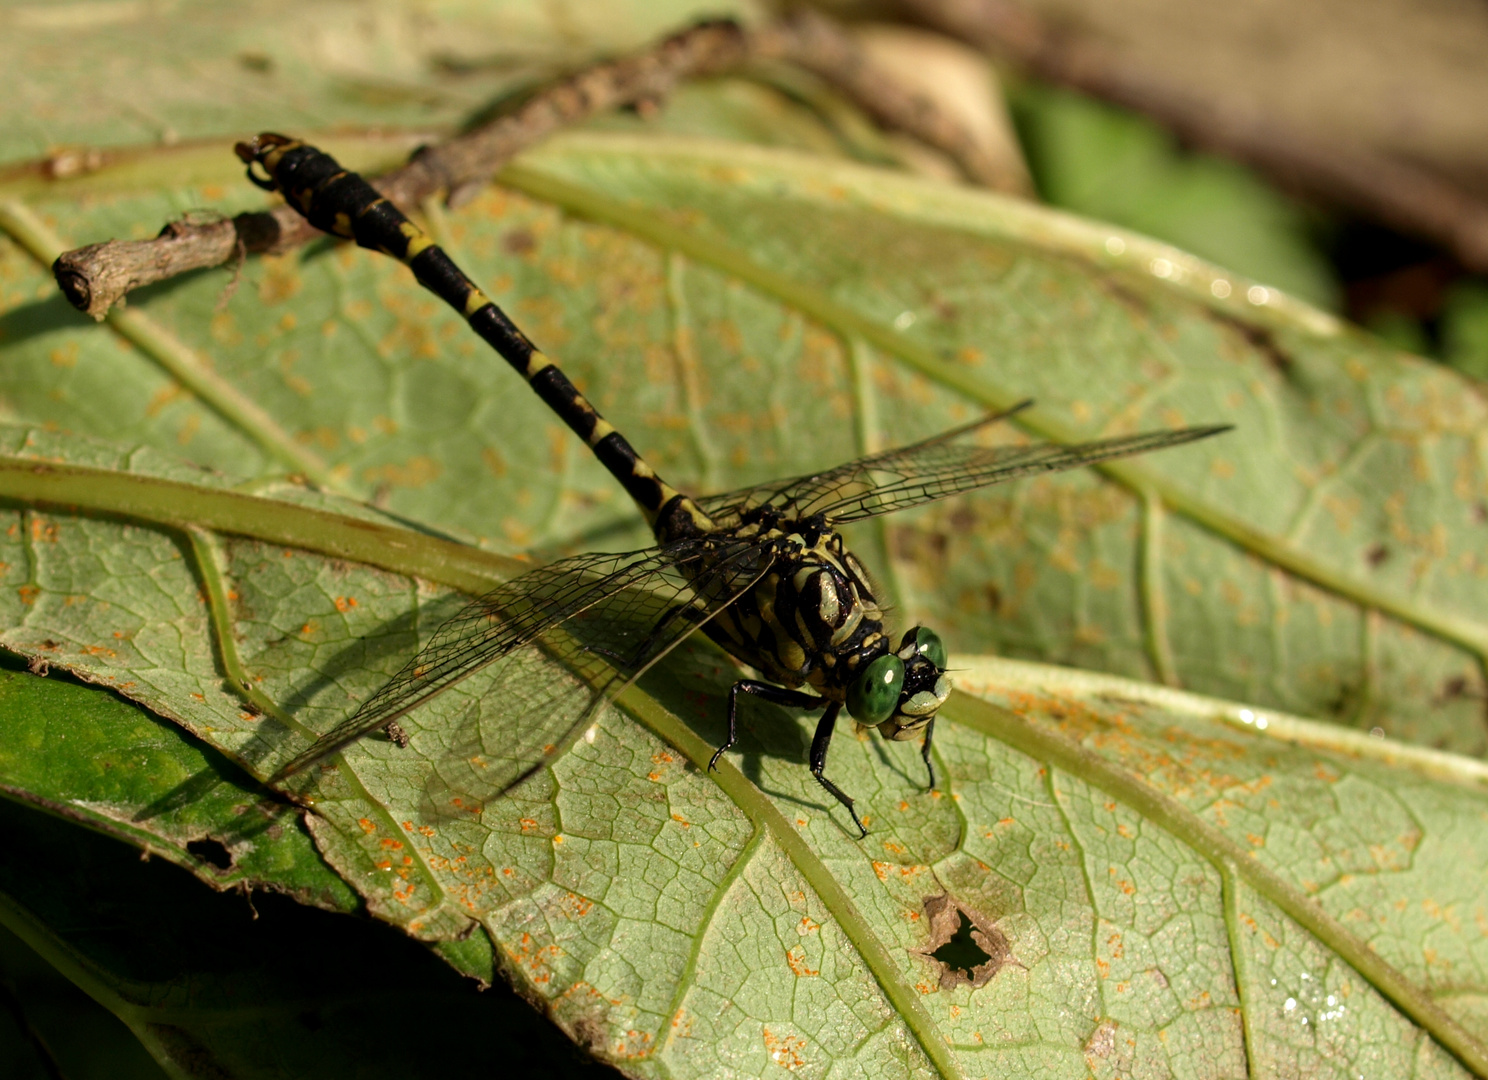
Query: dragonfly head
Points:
[901, 691]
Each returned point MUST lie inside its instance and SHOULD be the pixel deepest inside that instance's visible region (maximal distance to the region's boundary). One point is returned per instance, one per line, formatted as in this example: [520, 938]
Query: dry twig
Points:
[1405, 197]
[819, 45]
[96, 277]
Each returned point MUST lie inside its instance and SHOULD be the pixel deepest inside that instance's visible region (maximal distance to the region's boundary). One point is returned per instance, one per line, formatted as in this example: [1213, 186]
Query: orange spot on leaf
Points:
[785, 1050]
[796, 958]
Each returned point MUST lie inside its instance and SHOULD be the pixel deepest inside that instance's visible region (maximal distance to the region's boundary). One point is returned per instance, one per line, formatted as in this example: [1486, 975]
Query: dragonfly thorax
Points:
[812, 619]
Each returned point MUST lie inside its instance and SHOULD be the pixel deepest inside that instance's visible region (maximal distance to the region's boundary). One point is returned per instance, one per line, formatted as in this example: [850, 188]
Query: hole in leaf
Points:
[211, 851]
[961, 953]
[964, 944]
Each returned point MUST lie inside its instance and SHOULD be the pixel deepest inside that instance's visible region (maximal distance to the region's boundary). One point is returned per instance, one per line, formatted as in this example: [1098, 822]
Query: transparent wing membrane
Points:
[950, 470]
[540, 653]
[535, 702]
[934, 469]
[783, 493]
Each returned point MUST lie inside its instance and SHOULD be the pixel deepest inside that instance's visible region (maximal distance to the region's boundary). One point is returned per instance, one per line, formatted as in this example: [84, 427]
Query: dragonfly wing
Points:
[526, 711]
[488, 628]
[788, 496]
[951, 470]
[536, 648]
[933, 469]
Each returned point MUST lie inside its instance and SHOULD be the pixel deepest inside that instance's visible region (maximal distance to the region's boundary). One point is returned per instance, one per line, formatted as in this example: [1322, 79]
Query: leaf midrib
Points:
[174, 504]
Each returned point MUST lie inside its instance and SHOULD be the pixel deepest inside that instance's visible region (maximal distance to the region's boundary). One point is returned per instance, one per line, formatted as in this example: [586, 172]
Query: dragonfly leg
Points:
[819, 744]
[779, 695]
[925, 752]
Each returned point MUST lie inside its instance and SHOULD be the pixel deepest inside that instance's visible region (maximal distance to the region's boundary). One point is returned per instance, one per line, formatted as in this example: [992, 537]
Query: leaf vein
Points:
[1045, 744]
[847, 322]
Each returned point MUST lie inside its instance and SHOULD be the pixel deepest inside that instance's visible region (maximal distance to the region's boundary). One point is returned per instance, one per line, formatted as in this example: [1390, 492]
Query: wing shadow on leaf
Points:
[274, 736]
[507, 684]
[382, 650]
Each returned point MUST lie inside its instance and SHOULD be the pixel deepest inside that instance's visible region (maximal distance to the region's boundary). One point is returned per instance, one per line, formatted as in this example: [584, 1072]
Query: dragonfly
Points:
[762, 571]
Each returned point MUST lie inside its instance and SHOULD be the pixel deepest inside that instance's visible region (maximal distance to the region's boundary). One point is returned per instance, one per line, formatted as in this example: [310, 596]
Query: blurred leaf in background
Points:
[1464, 328]
[1101, 161]
[1111, 164]
[49, 1027]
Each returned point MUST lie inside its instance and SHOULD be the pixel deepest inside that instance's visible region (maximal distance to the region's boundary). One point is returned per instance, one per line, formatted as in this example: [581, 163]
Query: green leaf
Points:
[1106, 163]
[1152, 856]
[1148, 877]
[1465, 328]
[199, 69]
[1140, 853]
[223, 985]
[113, 767]
[1324, 559]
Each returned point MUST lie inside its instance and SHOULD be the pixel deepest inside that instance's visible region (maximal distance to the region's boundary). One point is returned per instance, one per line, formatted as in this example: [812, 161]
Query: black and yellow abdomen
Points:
[342, 203]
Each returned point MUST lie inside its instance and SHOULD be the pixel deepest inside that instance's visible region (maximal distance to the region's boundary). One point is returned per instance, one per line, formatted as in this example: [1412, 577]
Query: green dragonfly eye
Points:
[928, 644]
[873, 696]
